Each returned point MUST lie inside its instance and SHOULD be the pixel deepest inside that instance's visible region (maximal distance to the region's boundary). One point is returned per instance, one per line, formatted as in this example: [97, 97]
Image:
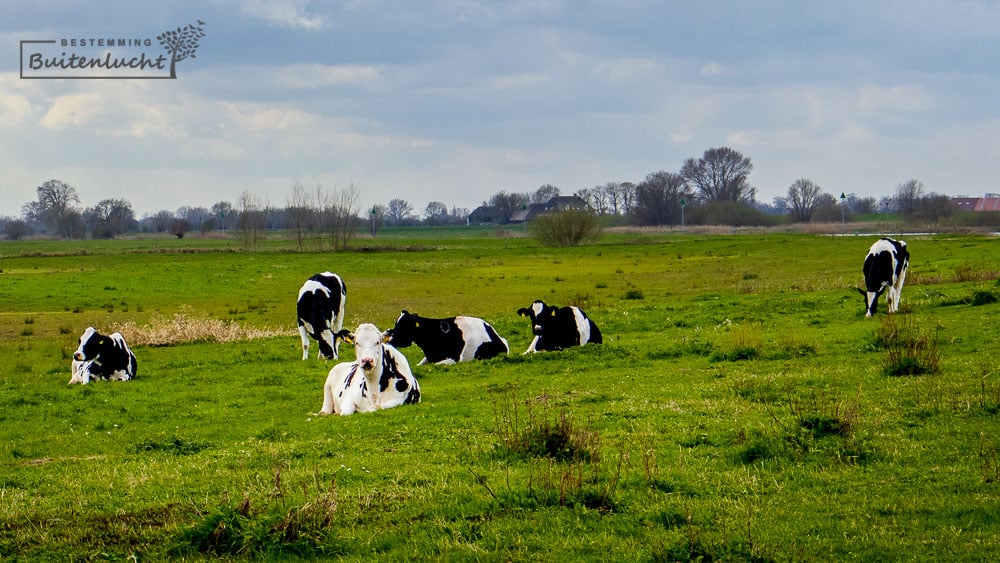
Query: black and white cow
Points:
[380, 377]
[447, 341]
[321, 313]
[885, 271]
[101, 356]
[556, 328]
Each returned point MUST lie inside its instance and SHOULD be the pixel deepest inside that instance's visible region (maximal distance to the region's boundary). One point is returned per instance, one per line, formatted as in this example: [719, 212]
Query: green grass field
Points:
[741, 407]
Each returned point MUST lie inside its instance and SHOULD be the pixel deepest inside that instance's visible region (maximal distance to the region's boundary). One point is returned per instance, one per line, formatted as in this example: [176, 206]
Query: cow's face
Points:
[539, 313]
[89, 347]
[368, 350]
[401, 335]
[871, 301]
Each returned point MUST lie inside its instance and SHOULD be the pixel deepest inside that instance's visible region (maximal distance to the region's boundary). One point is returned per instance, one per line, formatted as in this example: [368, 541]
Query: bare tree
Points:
[398, 210]
[56, 208]
[507, 204]
[112, 217]
[908, 196]
[338, 211]
[803, 197]
[721, 174]
[658, 199]
[299, 212]
[250, 221]
[544, 193]
[435, 212]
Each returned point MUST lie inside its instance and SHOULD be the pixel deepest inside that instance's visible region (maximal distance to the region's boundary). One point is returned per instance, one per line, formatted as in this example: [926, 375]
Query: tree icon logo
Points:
[181, 43]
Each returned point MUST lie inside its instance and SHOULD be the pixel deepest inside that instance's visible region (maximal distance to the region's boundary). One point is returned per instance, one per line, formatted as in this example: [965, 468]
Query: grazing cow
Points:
[380, 377]
[321, 313]
[885, 271]
[556, 328]
[447, 341]
[102, 356]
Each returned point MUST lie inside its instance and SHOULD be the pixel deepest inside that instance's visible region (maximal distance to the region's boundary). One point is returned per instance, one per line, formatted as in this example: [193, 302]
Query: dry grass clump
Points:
[182, 328]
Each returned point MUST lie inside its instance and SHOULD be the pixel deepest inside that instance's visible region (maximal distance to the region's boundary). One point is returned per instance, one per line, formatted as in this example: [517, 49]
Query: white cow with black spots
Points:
[380, 377]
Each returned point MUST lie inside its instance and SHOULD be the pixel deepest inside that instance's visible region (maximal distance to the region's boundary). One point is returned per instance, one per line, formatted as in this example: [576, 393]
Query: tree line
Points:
[712, 189]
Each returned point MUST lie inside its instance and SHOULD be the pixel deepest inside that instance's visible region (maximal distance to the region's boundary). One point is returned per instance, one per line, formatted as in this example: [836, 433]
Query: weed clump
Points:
[908, 350]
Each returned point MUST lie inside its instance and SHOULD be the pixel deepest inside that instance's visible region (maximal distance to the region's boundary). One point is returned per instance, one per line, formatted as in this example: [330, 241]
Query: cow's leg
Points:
[305, 342]
[331, 340]
[531, 347]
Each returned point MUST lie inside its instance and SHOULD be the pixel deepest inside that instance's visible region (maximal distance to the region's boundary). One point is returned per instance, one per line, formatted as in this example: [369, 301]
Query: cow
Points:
[101, 356]
[556, 328]
[380, 377]
[885, 271]
[320, 310]
[447, 341]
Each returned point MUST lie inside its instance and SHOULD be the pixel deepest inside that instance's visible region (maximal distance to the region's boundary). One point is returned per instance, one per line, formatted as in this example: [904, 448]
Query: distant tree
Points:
[803, 197]
[111, 217]
[908, 196]
[299, 212]
[779, 205]
[179, 227]
[435, 212]
[159, 222]
[339, 209]
[16, 229]
[828, 210]
[721, 174]
[658, 199]
[250, 220]
[934, 207]
[507, 204]
[544, 193]
[56, 207]
[398, 211]
[224, 214]
[858, 205]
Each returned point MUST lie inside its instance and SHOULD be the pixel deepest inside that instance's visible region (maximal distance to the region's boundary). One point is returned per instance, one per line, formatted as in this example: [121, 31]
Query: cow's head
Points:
[539, 313]
[368, 341]
[871, 300]
[402, 334]
[90, 345]
[328, 343]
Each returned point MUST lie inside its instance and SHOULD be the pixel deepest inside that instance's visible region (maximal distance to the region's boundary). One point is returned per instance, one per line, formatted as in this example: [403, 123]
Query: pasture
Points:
[741, 406]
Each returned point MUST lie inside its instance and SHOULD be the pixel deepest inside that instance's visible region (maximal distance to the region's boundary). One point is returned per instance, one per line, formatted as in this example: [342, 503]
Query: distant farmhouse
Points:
[488, 214]
[990, 202]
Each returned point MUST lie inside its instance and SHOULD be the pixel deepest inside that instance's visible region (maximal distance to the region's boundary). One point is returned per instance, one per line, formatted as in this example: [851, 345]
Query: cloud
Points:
[289, 14]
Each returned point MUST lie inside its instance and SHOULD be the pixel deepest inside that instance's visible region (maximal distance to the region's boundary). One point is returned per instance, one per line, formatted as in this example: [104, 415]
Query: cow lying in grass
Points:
[556, 328]
[380, 377]
[447, 341]
[102, 356]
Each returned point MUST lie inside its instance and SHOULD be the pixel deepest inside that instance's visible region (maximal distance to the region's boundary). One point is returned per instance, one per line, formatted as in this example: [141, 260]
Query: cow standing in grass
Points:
[380, 377]
[556, 328]
[447, 341]
[885, 271]
[320, 310]
[101, 356]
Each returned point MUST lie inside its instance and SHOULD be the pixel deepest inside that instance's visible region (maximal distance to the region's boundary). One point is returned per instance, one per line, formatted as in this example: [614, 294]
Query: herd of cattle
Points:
[380, 376]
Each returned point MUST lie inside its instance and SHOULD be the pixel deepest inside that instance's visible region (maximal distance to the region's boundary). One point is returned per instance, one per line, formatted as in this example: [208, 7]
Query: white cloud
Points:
[290, 14]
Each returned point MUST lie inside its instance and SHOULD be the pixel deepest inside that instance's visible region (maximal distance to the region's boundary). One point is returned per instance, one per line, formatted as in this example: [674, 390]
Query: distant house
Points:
[557, 203]
[483, 215]
[991, 202]
[489, 214]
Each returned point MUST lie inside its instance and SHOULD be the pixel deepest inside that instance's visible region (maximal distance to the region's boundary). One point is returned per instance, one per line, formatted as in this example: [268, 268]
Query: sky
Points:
[456, 100]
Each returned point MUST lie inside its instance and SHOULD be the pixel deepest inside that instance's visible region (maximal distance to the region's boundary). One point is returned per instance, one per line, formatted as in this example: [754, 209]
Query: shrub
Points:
[565, 228]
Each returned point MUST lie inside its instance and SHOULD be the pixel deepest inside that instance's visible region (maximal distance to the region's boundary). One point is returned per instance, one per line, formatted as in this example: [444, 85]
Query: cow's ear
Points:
[522, 312]
[386, 337]
[417, 324]
[100, 342]
[552, 313]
